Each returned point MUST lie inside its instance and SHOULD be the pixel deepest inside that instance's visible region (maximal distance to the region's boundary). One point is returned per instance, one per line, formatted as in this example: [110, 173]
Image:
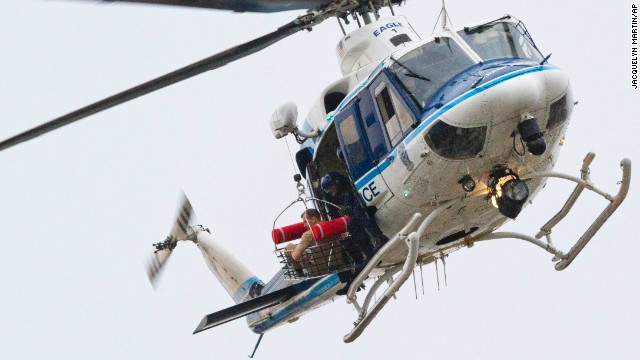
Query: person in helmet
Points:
[361, 226]
[338, 191]
[362, 223]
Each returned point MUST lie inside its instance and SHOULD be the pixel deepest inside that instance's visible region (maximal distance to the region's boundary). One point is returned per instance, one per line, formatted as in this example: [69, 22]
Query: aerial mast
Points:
[443, 16]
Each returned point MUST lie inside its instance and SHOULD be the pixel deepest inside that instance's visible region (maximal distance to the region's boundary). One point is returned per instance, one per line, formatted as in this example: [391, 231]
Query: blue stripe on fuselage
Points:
[244, 289]
[322, 286]
[375, 171]
[489, 84]
[433, 114]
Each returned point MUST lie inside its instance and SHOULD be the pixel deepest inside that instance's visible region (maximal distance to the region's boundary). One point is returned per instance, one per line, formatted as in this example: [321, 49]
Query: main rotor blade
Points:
[210, 63]
[263, 6]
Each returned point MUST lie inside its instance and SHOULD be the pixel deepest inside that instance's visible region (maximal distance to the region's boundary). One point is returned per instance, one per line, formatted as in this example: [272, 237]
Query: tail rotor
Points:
[164, 249]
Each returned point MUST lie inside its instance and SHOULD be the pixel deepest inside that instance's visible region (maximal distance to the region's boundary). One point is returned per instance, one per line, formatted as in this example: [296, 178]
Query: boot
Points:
[379, 241]
[345, 289]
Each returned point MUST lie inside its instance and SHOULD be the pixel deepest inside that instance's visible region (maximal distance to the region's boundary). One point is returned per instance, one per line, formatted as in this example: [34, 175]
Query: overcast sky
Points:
[80, 208]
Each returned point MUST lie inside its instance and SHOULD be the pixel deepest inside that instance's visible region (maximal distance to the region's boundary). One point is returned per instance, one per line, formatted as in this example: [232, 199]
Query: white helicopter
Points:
[446, 136]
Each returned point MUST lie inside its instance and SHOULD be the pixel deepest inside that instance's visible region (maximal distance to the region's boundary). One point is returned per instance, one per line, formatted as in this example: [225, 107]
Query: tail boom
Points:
[235, 277]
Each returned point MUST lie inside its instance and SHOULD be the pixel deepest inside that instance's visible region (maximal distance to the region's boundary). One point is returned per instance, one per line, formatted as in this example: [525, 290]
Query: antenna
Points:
[435, 260]
[421, 278]
[444, 265]
[442, 16]
[342, 27]
[415, 287]
[391, 7]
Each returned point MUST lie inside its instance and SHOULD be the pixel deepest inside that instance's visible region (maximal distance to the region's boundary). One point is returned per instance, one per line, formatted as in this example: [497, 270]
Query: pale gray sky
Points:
[80, 207]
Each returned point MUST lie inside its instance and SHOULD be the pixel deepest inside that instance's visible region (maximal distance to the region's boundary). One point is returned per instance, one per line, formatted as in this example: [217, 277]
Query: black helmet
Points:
[333, 178]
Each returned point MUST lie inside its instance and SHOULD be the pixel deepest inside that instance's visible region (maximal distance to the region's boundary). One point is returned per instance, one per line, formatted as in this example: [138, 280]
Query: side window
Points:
[351, 139]
[559, 112]
[395, 116]
[454, 142]
[377, 138]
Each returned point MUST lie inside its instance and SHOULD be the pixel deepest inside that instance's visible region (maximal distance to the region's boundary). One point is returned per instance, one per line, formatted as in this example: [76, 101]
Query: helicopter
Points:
[369, 191]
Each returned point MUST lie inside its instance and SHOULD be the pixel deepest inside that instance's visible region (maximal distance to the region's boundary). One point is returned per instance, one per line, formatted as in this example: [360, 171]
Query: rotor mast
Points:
[365, 9]
[374, 40]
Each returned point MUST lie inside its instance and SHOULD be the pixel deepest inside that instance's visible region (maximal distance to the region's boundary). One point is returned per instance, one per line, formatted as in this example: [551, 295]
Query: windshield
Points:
[499, 40]
[427, 68]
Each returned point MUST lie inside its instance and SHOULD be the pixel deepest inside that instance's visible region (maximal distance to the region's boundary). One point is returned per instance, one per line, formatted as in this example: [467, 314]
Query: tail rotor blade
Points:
[156, 263]
[164, 249]
[179, 229]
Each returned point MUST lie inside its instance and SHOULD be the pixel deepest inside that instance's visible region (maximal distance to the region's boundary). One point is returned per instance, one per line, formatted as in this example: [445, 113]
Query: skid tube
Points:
[412, 240]
[564, 260]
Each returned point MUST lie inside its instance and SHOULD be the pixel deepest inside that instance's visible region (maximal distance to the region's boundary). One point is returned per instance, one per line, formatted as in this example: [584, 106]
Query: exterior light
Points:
[494, 202]
[507, 192]
[515, 193]
[468, 184]
[516, 190]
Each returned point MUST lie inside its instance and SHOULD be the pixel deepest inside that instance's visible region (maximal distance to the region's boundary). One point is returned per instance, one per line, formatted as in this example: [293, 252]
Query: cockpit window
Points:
[427, 68]
[499, 40]
[351, 138]
[454, 142]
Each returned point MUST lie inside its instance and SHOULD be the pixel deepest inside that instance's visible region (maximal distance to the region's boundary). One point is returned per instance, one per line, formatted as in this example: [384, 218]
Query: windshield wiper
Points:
[545, 59]
[481, 28]
[410, 73]
[417, 76]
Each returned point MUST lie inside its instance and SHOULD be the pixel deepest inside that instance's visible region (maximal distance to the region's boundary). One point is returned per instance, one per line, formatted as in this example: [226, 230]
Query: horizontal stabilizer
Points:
[245, 308]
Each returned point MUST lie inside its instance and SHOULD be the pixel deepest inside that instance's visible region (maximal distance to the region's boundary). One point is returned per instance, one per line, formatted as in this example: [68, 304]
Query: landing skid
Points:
[412, 240]
[563, 260]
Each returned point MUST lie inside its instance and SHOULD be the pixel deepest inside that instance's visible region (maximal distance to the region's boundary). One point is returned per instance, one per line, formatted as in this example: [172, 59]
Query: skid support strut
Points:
[412, 241]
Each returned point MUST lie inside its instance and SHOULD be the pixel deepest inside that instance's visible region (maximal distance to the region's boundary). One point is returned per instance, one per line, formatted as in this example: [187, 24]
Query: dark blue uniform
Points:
[361, 225]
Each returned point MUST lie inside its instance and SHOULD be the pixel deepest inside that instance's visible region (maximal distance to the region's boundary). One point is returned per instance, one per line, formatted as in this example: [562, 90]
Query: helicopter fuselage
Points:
[436, 112]
[425, 118]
